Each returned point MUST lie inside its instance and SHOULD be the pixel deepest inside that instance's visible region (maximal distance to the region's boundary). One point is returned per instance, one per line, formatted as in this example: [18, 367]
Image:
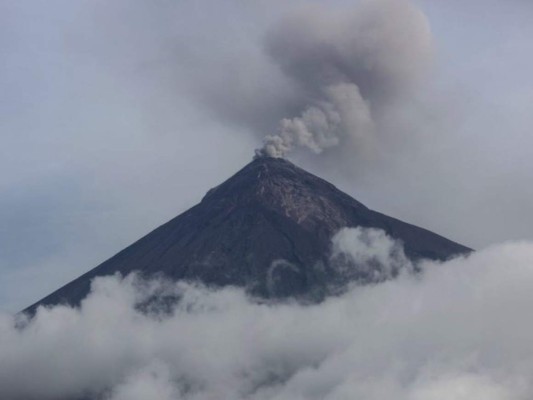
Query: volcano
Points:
[268, 229]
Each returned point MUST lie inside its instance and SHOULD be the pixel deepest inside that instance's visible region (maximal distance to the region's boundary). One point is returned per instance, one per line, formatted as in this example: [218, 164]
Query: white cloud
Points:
[368, 254]
[459, 330]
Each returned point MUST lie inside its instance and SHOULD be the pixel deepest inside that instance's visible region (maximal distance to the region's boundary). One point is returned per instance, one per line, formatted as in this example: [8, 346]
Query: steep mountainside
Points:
[268, 228]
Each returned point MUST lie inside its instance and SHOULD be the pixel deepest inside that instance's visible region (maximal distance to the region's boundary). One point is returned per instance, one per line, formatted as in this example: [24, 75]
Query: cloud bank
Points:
[459, 329]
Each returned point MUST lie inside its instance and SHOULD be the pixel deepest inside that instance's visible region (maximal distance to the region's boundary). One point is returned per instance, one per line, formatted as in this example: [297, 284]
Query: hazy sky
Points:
[117, 116]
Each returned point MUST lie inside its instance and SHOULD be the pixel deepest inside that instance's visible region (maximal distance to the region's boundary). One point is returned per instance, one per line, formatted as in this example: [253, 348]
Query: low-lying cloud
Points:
[368, 255]
[459, 329]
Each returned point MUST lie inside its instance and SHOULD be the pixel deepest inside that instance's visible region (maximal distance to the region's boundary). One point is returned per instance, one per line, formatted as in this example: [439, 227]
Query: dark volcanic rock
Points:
[268, 228]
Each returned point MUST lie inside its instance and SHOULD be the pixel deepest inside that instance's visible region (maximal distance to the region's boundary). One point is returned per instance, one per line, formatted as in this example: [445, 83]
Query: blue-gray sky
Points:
[115, 117]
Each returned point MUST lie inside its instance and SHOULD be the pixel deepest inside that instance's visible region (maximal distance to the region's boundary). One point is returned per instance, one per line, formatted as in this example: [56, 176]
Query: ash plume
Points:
[345, 67]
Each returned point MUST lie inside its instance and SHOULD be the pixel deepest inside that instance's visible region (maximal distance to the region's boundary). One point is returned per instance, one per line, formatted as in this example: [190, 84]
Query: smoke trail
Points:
[346, 66]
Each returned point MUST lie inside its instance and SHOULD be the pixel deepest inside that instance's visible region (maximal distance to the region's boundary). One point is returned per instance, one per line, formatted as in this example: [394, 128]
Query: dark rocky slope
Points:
[268, 228]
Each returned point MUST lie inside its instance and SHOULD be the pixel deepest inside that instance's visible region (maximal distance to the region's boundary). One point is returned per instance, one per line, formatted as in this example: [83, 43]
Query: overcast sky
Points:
[117, 116]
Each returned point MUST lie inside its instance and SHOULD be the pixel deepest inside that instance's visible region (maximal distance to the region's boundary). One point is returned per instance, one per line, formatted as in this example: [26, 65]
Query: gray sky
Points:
[115, 117]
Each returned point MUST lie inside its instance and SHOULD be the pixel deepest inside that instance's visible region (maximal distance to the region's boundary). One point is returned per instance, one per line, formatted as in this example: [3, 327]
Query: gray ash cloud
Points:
[345, 66]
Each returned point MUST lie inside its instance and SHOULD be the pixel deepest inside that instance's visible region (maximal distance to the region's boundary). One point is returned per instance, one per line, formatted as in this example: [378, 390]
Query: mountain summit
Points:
[268, 228]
